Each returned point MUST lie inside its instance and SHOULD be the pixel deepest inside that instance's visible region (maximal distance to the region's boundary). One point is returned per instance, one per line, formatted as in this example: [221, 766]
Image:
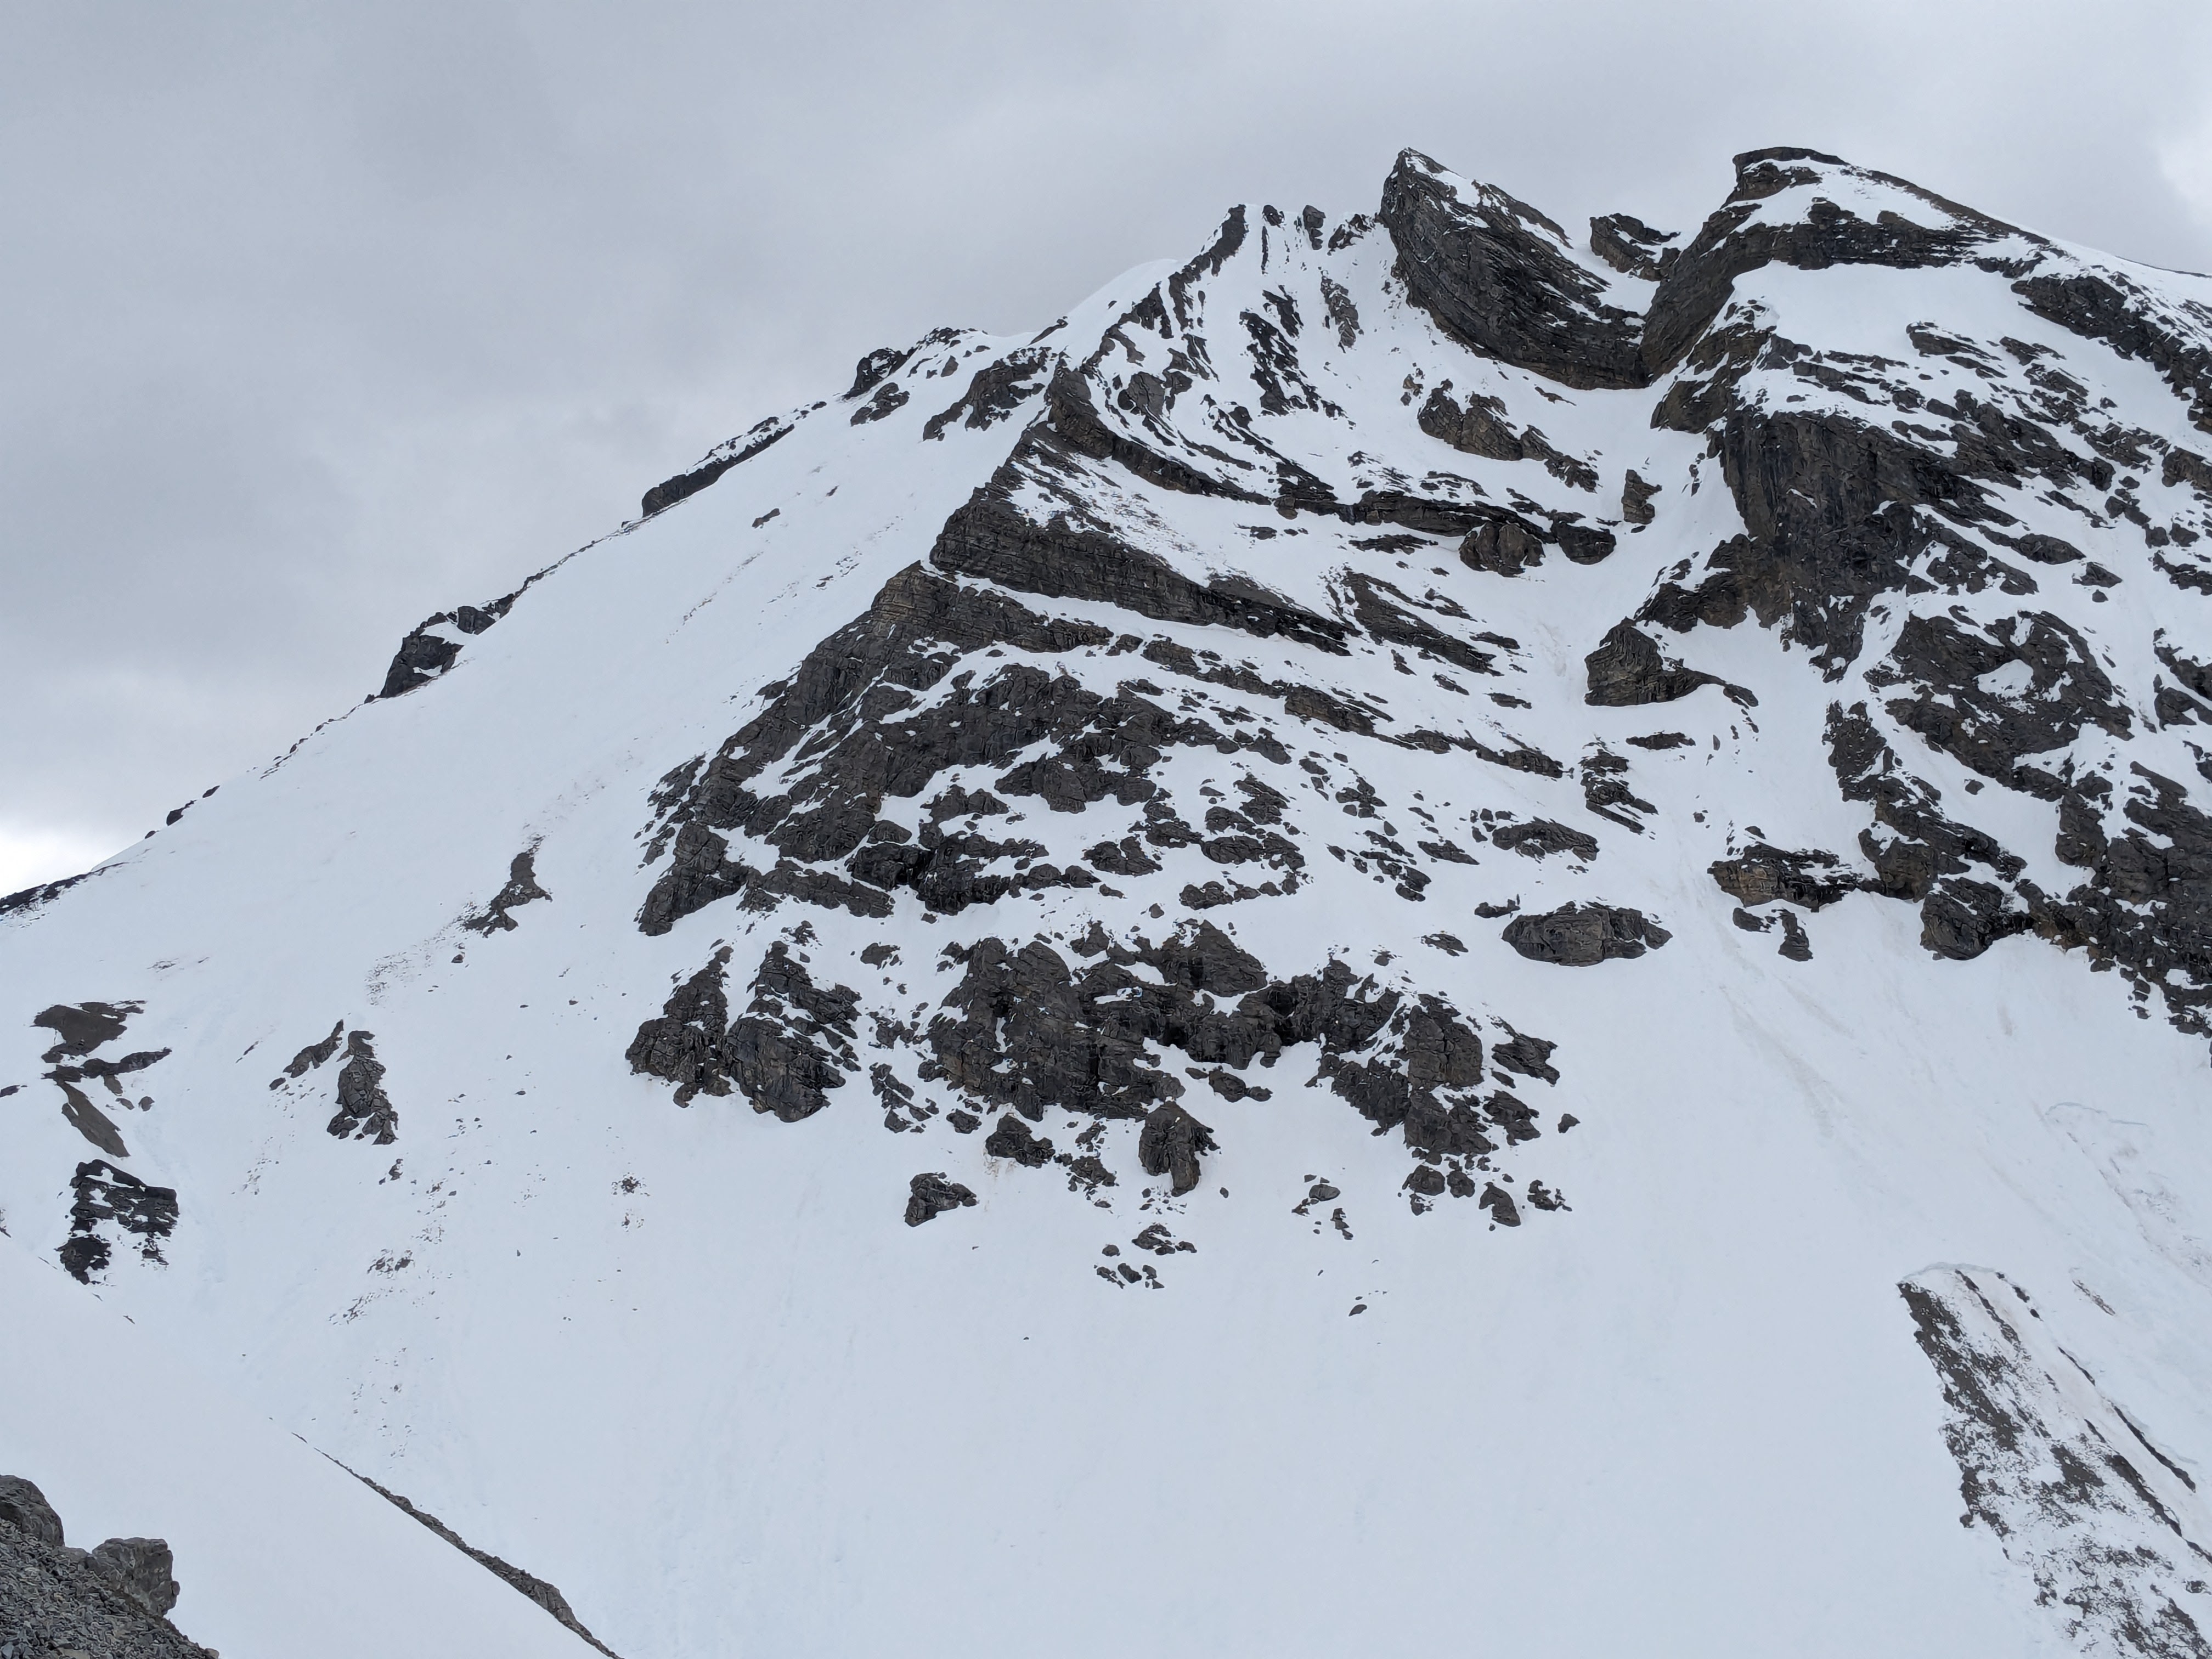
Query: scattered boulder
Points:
[931, 1195]
[1159, 1241]
[1499, 1202]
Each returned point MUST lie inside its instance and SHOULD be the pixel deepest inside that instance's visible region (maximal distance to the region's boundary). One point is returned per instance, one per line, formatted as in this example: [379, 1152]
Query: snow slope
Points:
[279, 1550]
[1034, 726]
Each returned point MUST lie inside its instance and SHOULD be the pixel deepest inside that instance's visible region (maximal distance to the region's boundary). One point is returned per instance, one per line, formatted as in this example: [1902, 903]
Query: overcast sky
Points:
[316, 319]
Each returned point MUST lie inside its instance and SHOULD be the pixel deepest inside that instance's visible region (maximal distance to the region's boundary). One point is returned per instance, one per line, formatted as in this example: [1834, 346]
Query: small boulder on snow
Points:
[931, 1195]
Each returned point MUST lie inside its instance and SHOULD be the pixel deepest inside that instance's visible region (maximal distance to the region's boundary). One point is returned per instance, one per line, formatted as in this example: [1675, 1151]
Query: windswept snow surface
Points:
[1613, 1360]
[279, 1550]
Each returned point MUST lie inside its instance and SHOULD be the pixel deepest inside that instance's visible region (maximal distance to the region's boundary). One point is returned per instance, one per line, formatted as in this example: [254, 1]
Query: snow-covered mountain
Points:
[1425, 932]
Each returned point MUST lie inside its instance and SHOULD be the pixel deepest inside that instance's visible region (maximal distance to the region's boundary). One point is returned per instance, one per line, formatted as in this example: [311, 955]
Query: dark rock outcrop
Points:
[784, 1050]
[993, 538]
[422, 656]
[1991, 731]
[1497, 275]
[365, 1111]
[1737, 238]
[1840, 511]
[2105, 305]
[104, 1197]
[1026, 1030]
[142, 1568]
[1482, 427]
[1077, 423]
[1503, 546]
[890, 397]
[996, 393]
[314, 1054]
[1628, 669]
[1760, 874]
[1632, 247]
[783, 1053]
[874, 368]
[929, 1196]
[1585, 544]
[1385, 612]
[88, 1120]
[26, 899]
[1541, 837]
[669, 491]
[427, 653]
[83, 1027]
[1022, 1030]
[1010, 1138]
[856, 711]
[1582, 935]
[1171, 1145]
[521, 889]
[683, 1044]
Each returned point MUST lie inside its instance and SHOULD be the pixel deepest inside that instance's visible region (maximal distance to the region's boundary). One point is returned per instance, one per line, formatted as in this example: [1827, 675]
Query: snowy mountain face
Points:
[1424, 931]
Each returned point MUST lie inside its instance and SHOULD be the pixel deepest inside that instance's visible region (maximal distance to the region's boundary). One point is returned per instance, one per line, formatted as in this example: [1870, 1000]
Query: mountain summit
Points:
[1428, 930]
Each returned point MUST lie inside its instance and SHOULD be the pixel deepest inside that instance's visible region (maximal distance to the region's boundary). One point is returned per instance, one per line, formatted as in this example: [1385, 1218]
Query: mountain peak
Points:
[1396, 797]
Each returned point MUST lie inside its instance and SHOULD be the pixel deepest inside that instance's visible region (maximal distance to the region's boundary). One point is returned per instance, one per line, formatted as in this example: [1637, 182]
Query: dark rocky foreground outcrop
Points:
[111, 1601]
